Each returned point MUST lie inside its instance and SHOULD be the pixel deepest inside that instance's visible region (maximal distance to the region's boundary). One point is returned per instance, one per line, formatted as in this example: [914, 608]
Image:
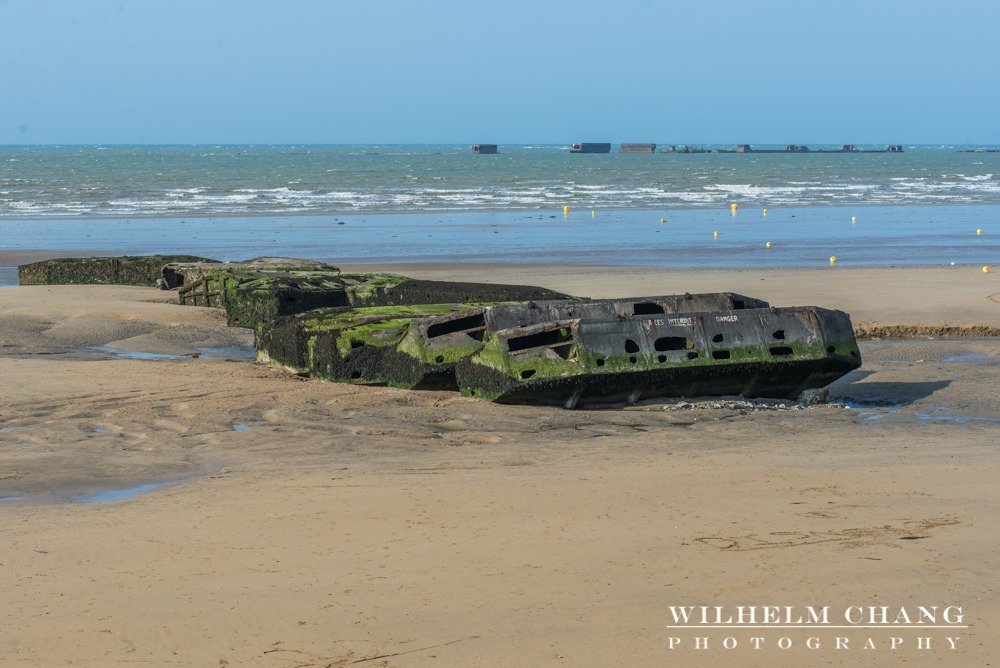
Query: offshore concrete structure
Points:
[637, 148]
[590, 147]
[790, 148]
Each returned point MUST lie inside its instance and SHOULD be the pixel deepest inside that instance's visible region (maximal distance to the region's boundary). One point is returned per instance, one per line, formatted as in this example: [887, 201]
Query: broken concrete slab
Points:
[178, 274]
[142, 270]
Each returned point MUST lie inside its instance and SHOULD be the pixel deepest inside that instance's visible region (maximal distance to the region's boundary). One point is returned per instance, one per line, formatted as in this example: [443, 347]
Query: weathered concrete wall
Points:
[129, 270]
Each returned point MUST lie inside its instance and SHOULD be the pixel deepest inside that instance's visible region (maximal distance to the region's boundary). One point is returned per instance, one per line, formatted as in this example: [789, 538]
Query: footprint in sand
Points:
[171, 425]
[482, 438]
[449, 425]
[183, 411]
[885, 534]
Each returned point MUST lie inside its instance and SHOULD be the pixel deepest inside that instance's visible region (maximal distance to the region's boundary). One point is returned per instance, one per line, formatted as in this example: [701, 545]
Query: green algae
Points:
[358, 317]
[366, 345]
[381, 333]
[365, 288]
[416, 347]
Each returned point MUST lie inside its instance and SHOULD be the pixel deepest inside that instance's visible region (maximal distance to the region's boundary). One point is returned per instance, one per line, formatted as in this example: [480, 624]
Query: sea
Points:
[443, 203]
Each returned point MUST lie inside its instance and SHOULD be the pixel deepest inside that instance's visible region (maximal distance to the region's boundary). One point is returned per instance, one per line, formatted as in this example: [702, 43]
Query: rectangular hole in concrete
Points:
[646, 308]
[670, 343]
[456, 325]
[549, 337]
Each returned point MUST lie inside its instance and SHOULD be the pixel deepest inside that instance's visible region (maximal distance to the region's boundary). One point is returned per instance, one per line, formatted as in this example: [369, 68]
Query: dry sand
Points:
[308, 524]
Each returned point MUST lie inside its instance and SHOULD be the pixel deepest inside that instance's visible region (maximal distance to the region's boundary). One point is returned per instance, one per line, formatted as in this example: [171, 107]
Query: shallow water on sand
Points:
[800, 237]
[232, 353]
[123, 494]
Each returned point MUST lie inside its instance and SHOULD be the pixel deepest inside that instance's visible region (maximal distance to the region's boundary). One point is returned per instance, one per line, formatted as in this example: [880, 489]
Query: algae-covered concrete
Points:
[370, 345]
[252, 296]
[179, 274]
[763, 352]
[418, 346]
[142, 270]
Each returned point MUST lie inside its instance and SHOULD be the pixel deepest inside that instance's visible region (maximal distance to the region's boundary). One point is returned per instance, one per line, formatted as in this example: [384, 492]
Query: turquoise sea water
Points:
[443, 203]
[90, 181]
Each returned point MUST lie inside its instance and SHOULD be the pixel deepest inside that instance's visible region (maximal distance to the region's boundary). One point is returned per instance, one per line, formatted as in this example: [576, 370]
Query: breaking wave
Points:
[40, 182]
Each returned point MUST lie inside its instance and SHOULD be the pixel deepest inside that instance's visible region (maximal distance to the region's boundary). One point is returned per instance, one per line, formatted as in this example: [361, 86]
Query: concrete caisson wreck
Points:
[573, 352]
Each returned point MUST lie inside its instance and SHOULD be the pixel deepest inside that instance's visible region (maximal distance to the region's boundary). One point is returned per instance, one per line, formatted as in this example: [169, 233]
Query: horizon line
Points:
[458, 143]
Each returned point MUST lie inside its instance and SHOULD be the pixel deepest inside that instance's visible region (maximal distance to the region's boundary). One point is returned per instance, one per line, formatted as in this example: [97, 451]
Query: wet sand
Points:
[306, 523]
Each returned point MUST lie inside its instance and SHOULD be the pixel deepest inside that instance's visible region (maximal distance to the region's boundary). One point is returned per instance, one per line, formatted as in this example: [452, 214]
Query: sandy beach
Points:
[192, 507]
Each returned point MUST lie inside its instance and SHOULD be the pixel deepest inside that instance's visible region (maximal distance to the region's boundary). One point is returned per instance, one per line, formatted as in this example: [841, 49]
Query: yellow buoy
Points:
[593, 213]
[715, 234]
[979, 232]
[833, 259]
[733, 206]
[986, 269]
[767, 245]
[565, 210]
[765, 212]
[854, 219]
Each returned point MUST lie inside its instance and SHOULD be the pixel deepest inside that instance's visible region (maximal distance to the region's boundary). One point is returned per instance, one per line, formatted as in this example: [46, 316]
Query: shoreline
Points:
[721, 207]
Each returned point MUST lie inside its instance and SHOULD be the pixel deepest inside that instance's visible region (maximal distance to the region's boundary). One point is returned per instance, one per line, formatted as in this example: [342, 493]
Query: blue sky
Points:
[222, 71]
